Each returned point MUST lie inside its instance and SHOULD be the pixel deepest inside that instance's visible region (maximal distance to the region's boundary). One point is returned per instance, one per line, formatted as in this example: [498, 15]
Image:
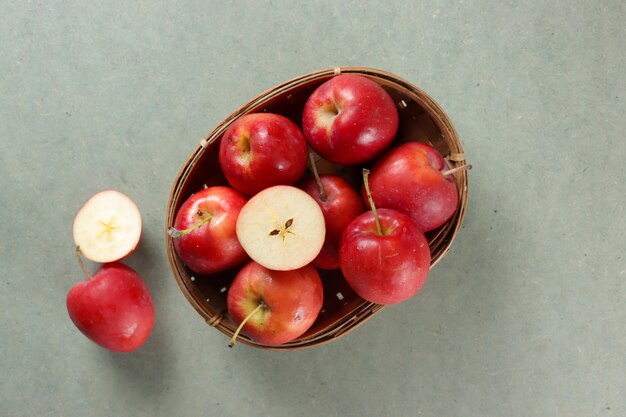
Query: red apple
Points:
[274, 307]
[349, 119]
[340, 204]
[384, 257]
[205, 230]
[385, 268]
[412, 179]
[113, 308]
[261, 150]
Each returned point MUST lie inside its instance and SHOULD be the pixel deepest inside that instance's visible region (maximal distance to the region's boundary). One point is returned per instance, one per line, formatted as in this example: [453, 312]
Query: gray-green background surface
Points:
[526, 315]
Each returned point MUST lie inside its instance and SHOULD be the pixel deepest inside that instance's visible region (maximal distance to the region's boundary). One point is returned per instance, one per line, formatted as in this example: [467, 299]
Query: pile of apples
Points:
[279, 225]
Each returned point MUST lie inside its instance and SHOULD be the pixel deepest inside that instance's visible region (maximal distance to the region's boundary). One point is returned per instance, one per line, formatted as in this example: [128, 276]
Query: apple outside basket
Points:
[421, 119]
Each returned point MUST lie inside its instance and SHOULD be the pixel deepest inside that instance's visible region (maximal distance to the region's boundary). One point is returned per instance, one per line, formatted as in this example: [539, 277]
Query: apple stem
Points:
[252, 313]
[457, 169]
[81, 263]
[176, 234]
[316, 175]
[366, 174]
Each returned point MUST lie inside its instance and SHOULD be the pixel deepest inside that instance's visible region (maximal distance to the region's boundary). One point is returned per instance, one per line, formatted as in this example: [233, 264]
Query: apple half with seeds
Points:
[281, 228]
[107, 227]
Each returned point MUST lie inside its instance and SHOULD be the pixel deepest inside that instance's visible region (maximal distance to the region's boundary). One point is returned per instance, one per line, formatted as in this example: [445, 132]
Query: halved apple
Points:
[282, 228]
[107, 227]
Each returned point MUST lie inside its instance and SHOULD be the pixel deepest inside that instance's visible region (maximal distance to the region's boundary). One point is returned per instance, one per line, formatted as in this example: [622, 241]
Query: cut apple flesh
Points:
[281, 228]
[107, 227]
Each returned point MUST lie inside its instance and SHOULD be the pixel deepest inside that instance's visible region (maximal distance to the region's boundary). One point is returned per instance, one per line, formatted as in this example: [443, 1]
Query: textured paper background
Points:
[526, 316]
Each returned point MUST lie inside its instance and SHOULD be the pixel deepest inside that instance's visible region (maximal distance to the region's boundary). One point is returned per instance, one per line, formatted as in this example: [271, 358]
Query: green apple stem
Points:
[248, 317]
[176, 234]
[81, 263]
[316, 175]
[366, 174]
[457, 169]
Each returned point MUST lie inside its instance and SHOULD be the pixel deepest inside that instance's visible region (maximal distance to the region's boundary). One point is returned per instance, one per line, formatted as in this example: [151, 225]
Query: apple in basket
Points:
[260, 150]
[282, 228]
[349, 119]
[340, 204]
[414, 179]
[274, 307]
[384, 256]
[205, 230]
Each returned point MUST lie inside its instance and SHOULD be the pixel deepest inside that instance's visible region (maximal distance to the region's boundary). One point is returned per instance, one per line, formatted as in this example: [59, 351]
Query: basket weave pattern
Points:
[421, 119]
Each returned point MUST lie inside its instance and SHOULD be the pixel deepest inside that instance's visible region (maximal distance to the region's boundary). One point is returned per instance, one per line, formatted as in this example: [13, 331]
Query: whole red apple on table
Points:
[205, 230]
[340, 204]
[349, 119]
[113, 308]
[410, 178]
[275, 307]
[260, 150]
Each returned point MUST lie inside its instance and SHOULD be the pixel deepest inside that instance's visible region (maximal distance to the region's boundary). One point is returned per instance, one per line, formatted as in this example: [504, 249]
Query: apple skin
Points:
[213, 247]
[349, 119]
[260, 150]
[409, 178]
[293, 301]
[342, 205]
[113, 308]
[388, 268]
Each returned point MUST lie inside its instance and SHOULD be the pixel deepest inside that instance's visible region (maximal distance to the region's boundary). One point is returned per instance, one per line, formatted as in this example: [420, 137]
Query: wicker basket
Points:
[421, 119]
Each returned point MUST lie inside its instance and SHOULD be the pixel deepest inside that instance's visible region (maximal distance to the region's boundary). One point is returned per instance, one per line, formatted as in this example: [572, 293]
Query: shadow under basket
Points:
[421, 119]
